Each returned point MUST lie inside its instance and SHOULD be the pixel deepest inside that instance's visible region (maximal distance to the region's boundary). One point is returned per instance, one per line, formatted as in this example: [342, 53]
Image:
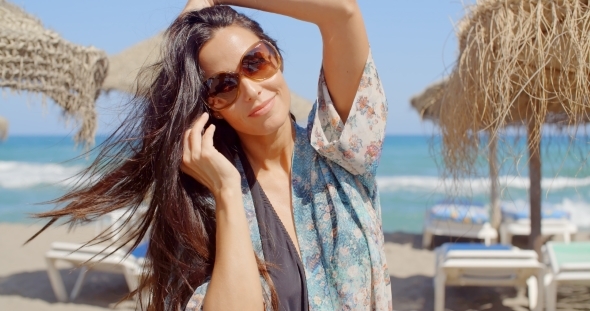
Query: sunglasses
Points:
[260, 62]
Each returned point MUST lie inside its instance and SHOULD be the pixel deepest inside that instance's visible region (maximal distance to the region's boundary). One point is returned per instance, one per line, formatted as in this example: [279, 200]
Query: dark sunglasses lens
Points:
[224, 86]
[260, 63]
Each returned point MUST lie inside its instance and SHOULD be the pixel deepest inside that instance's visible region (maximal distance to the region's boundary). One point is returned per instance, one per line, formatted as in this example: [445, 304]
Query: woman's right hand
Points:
[204, 163]
[195, 5]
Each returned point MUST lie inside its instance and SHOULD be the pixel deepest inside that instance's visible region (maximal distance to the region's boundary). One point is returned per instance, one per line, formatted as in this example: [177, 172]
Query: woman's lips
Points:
[263, 108]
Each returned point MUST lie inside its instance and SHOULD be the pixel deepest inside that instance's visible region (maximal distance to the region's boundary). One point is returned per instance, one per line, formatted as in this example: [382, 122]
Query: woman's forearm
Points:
[314, 11]
[235, 282]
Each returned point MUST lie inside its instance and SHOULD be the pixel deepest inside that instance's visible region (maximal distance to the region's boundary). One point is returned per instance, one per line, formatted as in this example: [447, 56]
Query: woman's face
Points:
[261, 107]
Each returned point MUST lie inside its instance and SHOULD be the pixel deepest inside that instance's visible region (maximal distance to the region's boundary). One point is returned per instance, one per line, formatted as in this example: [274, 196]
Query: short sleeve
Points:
[355, 144]
[195, 303]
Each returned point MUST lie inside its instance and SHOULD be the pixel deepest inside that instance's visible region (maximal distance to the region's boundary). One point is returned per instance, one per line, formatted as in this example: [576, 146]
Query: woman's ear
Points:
[216, 114]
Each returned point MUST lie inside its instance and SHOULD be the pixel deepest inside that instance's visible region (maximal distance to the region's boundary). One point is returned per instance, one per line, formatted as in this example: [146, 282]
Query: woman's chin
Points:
[275, 122]
[271, 123]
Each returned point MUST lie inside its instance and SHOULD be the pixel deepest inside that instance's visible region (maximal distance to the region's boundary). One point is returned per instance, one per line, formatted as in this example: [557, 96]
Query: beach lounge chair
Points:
[458, 218]
[472, 264]
[113, 221]
[569, 263]
[93, 258]
[516, 221]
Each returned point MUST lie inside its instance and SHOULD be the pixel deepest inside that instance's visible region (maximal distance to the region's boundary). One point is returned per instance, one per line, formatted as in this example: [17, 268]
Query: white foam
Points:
[579, 210]
[434, 184]
[19, 175]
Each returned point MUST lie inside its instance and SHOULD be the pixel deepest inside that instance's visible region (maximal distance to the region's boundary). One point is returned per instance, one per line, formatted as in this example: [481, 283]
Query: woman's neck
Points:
[270, 152]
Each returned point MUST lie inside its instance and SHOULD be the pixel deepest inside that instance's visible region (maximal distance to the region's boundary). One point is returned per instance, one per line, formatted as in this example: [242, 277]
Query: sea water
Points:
[38, 169]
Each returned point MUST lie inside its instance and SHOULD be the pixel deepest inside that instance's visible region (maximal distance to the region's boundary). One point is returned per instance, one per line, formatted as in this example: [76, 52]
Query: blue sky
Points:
[413, 44]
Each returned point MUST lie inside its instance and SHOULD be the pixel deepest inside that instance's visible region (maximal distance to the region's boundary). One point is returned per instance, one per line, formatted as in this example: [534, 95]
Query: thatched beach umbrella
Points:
[35, 59]
[428, 103]
[522, 62]
[125, 66]
[3, 128]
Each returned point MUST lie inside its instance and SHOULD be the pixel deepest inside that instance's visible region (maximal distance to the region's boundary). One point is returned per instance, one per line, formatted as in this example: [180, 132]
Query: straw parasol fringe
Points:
[35, 59]
[3, 128]
[520, 61]
[428, 103]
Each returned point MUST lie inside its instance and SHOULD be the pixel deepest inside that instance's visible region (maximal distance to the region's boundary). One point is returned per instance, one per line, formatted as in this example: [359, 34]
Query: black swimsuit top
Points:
[285, 269]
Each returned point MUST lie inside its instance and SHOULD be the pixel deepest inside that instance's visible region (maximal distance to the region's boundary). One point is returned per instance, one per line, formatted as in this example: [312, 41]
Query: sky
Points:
[413, 45]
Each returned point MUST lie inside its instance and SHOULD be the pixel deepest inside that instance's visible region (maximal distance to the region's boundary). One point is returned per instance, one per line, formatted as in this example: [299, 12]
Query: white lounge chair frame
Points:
[573, 273]
[560, 227]
[95, 257]
[115, 220]
[434, 227]
[90, 258]
[518, 268]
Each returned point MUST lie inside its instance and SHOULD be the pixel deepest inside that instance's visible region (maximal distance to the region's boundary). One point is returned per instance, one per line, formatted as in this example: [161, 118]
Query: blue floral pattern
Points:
[336, 203]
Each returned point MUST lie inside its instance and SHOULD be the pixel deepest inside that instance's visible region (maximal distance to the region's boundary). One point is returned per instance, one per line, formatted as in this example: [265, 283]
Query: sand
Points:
[24, 284]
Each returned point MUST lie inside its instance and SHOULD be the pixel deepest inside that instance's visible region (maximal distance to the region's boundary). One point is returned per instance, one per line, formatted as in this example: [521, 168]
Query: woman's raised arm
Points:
[346, 46]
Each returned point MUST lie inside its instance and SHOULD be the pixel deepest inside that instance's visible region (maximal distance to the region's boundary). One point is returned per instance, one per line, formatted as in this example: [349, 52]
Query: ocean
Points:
[36, 169]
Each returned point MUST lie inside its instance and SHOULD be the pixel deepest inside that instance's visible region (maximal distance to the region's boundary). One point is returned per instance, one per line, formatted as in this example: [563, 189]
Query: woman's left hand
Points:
[195, 5]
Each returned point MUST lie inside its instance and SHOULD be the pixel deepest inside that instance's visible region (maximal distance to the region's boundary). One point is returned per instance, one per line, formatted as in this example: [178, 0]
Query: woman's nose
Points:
[250, 88]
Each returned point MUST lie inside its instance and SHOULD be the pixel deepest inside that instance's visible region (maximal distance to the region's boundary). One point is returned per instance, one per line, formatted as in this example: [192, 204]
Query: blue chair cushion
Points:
[460, 201]
[521, 210]
[460, 211]
[140, 251]
[475, 246]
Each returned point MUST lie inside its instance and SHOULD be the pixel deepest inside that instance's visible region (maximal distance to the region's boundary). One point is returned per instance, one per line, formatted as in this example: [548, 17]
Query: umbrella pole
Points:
[3, 128]
[535, 239]
[494, 191]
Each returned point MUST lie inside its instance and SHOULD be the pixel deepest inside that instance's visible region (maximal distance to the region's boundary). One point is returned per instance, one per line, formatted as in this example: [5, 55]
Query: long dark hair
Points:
[141, 160]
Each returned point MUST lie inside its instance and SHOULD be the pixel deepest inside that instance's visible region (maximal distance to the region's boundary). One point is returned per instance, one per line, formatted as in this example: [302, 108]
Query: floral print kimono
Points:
[336, 203]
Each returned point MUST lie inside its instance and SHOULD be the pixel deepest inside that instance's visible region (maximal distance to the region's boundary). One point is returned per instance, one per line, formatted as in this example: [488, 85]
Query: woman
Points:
[249, 211]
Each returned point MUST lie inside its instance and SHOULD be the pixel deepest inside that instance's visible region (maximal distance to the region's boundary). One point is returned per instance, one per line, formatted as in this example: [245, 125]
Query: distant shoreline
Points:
[103, 136]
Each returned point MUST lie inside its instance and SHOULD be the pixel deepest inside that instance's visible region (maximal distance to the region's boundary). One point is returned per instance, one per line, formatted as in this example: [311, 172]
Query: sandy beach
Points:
[24, 284]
